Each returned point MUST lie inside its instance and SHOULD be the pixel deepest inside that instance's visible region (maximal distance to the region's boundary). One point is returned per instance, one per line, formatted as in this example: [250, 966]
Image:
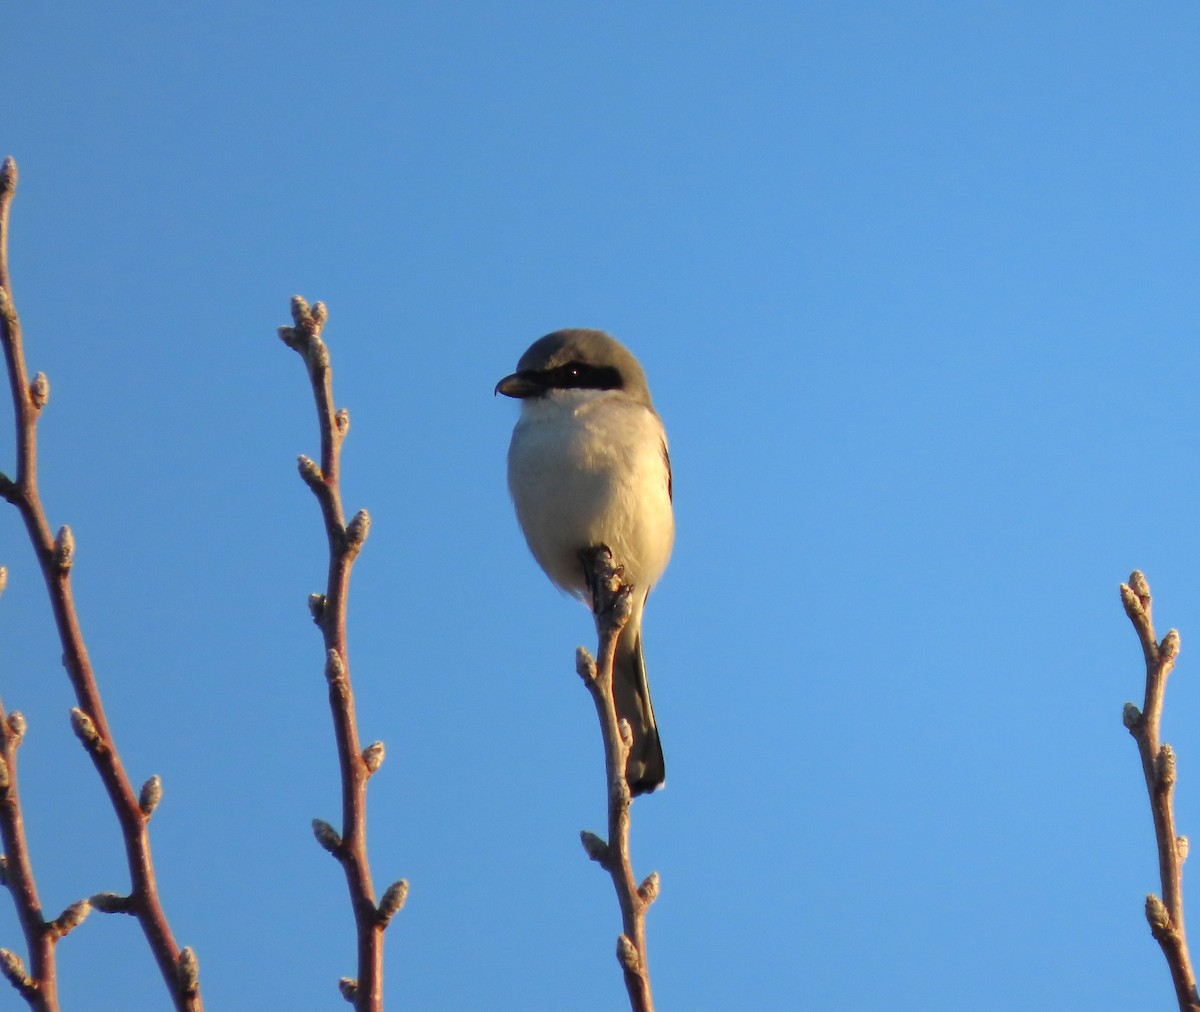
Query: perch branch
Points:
[612, 603]
[328, 610]
[1164, 915]
[55, 555]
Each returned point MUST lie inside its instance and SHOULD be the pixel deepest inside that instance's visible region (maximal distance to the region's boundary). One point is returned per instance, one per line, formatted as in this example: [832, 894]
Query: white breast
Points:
[585, 468]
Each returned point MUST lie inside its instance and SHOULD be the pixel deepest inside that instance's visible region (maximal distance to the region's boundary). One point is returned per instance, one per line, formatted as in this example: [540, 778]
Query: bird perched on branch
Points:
[588, 467]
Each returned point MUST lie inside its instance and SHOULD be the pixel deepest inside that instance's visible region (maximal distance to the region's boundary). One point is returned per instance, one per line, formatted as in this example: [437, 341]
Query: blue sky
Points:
[914, 285]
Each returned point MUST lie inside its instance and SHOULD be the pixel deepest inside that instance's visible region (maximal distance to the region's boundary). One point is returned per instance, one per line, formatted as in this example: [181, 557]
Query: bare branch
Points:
[1165, 916]
[328, 611]
[56, 557]
[613, 603]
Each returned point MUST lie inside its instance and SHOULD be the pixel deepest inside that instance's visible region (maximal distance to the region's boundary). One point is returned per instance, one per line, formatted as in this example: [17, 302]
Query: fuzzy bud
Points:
[64, 548]
[627, 954]
[188, 968]
[1168, 649]
[112, 903]
[1140, 585]
[1131, 715]
[1164, 766]
[357, 529]
[342, 421]
[335, 667]
[585, 665]
[349, 988]
[71, 918]
[626, 733]
[39, 390]
[84, 729]
[595, 847]
[1156, 913]
[316, 607]
[151, 795]
[14, 969]
[319, 313]
[326, 835]
[17, 725]
[1181, 848]
[393, 901]
[648, 890]
[300, 311]
[372, 756]
[309, 471]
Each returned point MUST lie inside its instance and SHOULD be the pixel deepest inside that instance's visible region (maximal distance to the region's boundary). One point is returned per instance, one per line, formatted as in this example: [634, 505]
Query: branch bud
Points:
[70, 918]
[1131, 715]
[310, 472]
[372, 756]
[39, 390]
[585, 665]
[316, 607]
[1181, 848]
[1164, 766]
[648, 890]
[84, 729]
[300, 312]
[189, 971]
[335, 667]
[112, 903]
[626, 733]
[342, 421]
[14, 969]
[17, 726]
[393, 901]
[151, 795]
[627, 954]
[596, 848]
[326, 835]
[357, 530]
[8, 175]
[5, 776]
[1168, 649]
[1141, 587]
[64, 548]
[319, 313]
[349, 988]
[1157, 914]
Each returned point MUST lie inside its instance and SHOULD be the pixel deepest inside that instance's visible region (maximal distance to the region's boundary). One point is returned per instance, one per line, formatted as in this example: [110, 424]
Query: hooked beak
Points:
[520, 385]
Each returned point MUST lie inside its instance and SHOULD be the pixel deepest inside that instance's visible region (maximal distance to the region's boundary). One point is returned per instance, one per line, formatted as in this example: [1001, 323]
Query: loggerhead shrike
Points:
[588, 466]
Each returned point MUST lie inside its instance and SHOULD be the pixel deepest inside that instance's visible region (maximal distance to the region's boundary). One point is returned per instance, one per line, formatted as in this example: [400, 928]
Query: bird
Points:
[588, 467]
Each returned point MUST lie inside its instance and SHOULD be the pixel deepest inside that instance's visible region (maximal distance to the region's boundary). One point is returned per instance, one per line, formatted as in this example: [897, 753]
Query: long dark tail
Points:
[631, 692]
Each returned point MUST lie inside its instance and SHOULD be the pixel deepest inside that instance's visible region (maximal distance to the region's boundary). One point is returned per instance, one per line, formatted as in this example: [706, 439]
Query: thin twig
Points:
[612, 604]
[365, 991]
[39, 986]
[55, 555]
[1158, 766]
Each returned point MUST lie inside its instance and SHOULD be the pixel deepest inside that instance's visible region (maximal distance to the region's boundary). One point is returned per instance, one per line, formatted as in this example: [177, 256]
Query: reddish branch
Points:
[612, 603]
[349, 846]
[1158, 766]
[55, 555]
